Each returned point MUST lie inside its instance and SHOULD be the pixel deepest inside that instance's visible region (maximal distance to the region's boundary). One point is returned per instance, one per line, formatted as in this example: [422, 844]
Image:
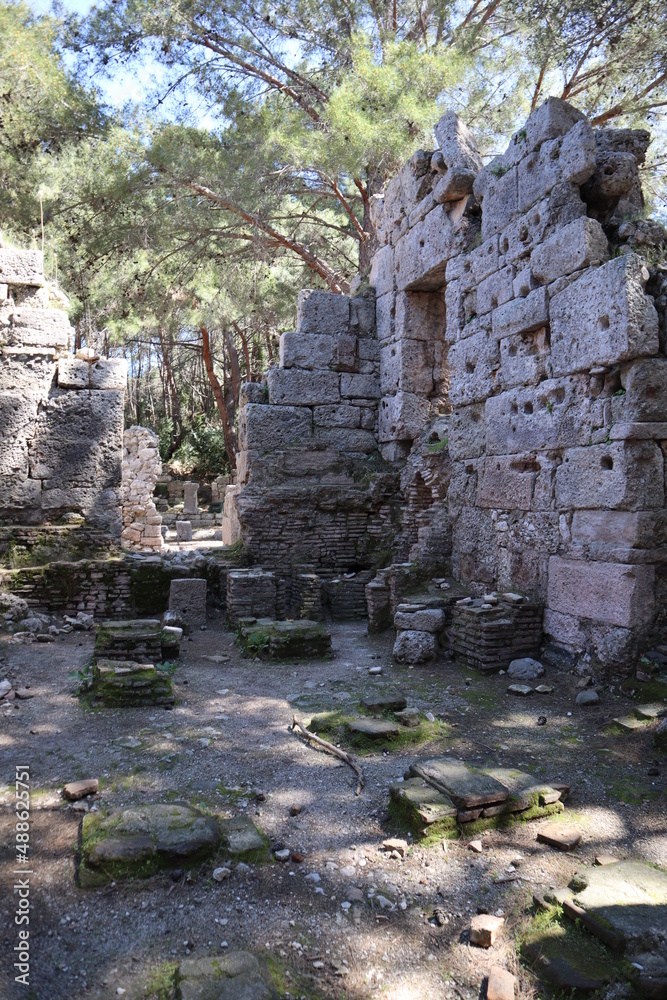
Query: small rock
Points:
[484, 929]
[396, 844]
[82, 806]
[409, 717]
[176, 874]
[565, 838]
[242, 868]
[295, 810]
[542, 720]
[354, 894]
[500, 984]
[605, 859]
[544, 689]
[348, 871]
[220, 874]
[283, 855]
[23, 694]
[429, 716]
[313, 877]
[587, 697]
[296, 857]
[5, 688]
[375, 670]
[476, 846]
[383, 902]
[79, 789]
[521, 689]
[525, 669]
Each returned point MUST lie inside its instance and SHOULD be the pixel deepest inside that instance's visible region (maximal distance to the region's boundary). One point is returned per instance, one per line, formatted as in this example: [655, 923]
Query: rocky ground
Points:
[318, 922]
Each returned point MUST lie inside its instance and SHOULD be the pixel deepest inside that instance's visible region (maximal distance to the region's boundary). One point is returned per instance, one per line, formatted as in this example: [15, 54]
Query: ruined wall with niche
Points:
[313, 490]
[61, 416]
[501, 300]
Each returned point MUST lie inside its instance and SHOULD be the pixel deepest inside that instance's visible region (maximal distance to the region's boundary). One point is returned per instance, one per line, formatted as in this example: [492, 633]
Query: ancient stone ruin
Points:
[141, 467]
[494, 405]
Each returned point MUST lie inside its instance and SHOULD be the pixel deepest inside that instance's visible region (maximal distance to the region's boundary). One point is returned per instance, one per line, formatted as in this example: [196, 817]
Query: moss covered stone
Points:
[242, 841]
[138, 842]
[237, 975]
[126, 684]
[288, 640]
[416, 806]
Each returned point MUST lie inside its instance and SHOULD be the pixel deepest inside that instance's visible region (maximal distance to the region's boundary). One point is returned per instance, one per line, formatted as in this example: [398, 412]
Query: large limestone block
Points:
[501, 201]
[359, 386]
[385, 307]
[306, 350]
[40, 328]
[516, 482]
[613, 529]
[20, 498]
[264, 428]
[495, 290]
[421, 256]
[471, 268]
[420, 316]
[623, 476]
[402, 417]
[322, 312]
[564, 159]
[521, 315]
[645, 397]
[407, 365]
[426, 620]
[18, 414]
[614, 593]
[295, 387]
[346, 439]
[474, 364]
[414, 646]
[457, 143]
[555, 414]
[570, 249]
[21, 267]
[343, 415]
[105, 373]
[603, 318]
[382, 272]
[78, 440]
[467, 432]
[524, 358]
[527, 231]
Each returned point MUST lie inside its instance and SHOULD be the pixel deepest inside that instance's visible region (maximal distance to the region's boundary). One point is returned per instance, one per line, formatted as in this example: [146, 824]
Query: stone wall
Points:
[312, 485]
[61, 417]
[501, 298]
[141, 467]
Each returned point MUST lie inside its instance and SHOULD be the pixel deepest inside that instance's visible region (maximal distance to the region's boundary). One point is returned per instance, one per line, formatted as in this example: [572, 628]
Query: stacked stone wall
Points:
[142, 525]
[61, 416]
[501, 299]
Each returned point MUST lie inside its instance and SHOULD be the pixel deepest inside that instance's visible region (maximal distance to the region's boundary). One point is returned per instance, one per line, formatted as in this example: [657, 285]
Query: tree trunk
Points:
[231, 444]
[166, 346]
[369, 245]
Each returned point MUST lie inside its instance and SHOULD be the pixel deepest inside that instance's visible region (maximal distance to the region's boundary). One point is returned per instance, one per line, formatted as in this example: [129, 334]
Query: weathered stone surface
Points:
[21, 267]
[474, 363]
[626, 475]
[187, 597]
[570, 249]
[523, 690]
[525, 792]
[606, 592]
[359, 386]
[521, 315]
[294, 387]
[588, 697]
[413, 646]
[466, 786]
[264, 428]
[421, 805]
[242, 840]
[276, 640]
[407, 365]
[501, 984]
[306, 350]
[373, 728]
[183, 531]
[79, 789]
[628, 898]
[343, 415]
[39, 328]
[233, 975]
[428, 620]
[525, 669]
[105, 373]
[603, 318]
[645, 396]
[322, 312]
[384, 703]
[402, 417]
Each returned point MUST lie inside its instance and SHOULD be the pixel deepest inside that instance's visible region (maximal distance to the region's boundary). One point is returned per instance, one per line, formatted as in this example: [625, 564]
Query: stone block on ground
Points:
[414, 646]
[501, 984]
[80, 789]
[421, 808]
[139, 841]
[241, 840]
[187, 598]
[183, 531]
[137, 639]
[564, 838]
[384, 702]
[485, 929]
[525, 669]
[374, 729]
[126, 684]
[426, 620]
[232, 975]
[467, 787]
[284, 640]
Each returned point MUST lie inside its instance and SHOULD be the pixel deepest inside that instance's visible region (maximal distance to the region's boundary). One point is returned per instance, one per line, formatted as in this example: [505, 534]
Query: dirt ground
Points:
[226, 740]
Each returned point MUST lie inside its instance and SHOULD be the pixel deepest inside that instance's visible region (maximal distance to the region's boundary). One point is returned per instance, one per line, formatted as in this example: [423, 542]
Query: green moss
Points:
[335, 727]
[551, 937]
[406, 819]
[438, 446]
[161, 982]
[294, 984]
[239, 554]
[510, 819]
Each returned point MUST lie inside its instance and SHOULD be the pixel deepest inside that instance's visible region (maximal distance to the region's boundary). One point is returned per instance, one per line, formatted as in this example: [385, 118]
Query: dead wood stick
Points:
[335, 750]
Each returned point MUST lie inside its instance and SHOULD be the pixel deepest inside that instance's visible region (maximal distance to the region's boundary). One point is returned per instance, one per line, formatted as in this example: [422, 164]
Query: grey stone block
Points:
[467, 432]
[21, 267]
[187, 598]
[555, 414]
[105, 373]
[521, 315]
[603, 318]
[294, 387]
[524, 358]
[265, 428]
[474, 364]
[306, 350]
[322, 312]
[359, 386]
[622, 476]
[413, 646]
[382, 271]
[495, 290]
[384, 312]
[407, 365]
[501, 202]
[184, 531]
[645, 398]
[347, 439]
[614, 593]
[420, 316]
[574, 247]
[343, 415]
[457, 143]
[428, 620]
[402, 417]
[40, 328]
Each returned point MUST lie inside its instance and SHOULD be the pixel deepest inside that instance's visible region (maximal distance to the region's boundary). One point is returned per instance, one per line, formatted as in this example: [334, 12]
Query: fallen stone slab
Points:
[485, 929]
[139, 640]
[564, 838]
[467, 786]
[587, 697]
[426, 812]
[624, 724]
[386, 702]
[396, 844]
[627, 900]
[544, 689]
[408, 717]
[80, 789]
[138, 842]
[558, 958]
[236, 975]
[414, 646]
[523, 690]
[284, 640]
[242, 841]
[373, 728]
[525, 669]
[525, 792]
[500, 985]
